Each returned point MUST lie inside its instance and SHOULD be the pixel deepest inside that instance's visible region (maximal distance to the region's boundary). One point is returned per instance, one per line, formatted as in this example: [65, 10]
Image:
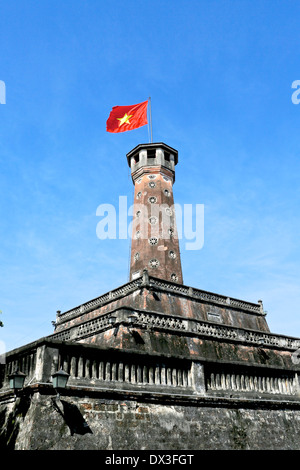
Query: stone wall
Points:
[117, 400]
[85, 423]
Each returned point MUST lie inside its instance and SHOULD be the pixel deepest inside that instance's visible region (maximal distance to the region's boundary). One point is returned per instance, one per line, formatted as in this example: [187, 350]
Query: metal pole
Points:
[150, 112]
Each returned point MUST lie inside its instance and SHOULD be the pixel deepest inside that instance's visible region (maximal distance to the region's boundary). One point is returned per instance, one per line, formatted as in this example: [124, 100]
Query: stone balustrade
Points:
[172, 323]
[253, 381]
[131, 371]
[93, 368]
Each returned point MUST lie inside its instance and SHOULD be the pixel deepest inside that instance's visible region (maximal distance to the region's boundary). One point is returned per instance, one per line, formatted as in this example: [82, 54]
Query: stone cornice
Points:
[177, 325]
[164, 286]
[170, 397]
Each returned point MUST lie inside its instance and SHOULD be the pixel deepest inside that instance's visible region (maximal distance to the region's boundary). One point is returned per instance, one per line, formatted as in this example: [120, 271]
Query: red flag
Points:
[127, 118]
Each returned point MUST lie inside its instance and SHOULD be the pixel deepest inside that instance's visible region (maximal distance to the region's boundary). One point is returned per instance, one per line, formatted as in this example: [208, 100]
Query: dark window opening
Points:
[151, 153]
[167, 156]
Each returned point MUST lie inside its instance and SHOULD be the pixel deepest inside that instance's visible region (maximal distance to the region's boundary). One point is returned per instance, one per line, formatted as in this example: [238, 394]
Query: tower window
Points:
[151, 153]
[167, 156]
[139, 195]
[153, 220]
[153, 263]
[152, 184]
[153, 241]
[174, 277]
[152, 199]
[167, 192]
[172, 254]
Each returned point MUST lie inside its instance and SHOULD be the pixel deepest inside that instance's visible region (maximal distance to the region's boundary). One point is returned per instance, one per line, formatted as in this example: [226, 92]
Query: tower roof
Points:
[150, 146]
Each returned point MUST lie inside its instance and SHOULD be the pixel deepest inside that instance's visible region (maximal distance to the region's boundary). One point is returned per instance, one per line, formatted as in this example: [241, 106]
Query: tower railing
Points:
[168, 286]
[95, 369]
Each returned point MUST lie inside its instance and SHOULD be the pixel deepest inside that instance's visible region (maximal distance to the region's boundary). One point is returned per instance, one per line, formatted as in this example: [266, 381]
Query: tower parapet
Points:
[154, 154]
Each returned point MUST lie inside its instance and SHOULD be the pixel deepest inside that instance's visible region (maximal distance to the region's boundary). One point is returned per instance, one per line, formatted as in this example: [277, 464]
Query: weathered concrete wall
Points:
[98, 423]
[135, 401]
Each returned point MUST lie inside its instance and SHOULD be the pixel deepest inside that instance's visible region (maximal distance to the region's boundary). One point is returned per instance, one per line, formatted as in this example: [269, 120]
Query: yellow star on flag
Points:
[127, 118]
[124, 119]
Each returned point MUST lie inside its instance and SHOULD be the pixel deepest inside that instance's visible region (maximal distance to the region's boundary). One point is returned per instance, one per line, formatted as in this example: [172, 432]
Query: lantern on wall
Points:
[16, 380]
[60, 379]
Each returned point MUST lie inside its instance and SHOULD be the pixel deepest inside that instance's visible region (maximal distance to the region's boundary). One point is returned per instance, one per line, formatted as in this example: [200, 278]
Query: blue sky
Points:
[219, 74]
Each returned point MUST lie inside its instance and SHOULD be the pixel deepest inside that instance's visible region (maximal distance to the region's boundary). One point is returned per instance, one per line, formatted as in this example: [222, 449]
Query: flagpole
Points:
[150, 111]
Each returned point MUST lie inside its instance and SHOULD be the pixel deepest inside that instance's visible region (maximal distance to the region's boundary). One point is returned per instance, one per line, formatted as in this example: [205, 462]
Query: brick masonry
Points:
[103, 424]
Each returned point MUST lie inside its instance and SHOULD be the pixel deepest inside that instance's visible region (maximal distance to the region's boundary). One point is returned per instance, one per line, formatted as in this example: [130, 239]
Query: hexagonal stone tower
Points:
[155, 244]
